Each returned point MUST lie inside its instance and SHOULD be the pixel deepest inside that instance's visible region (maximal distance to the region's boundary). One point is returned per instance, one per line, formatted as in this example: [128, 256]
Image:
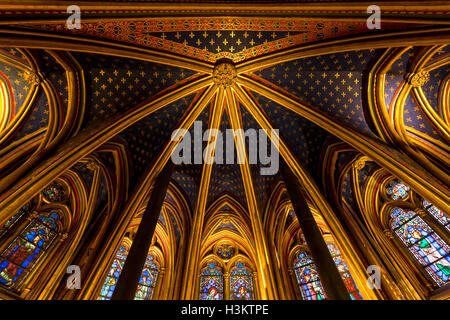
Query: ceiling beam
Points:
[307, 182]
[139, 196]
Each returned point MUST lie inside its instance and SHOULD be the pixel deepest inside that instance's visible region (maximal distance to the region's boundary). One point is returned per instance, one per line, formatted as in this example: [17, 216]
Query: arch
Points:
[241, 280]
[424, 244]
[307, 276]
[211, 280]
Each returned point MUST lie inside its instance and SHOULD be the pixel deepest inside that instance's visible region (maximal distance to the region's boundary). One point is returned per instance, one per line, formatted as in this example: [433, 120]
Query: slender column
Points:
[226, 278]
[129, 277]
[329, 274]
[256, 295]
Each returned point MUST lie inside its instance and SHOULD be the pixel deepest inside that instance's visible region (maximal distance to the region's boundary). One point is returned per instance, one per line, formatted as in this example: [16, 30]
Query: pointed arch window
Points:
[437, 214]
[22, 254]
[211, 282]
[241, 282]
[425, 245]
[307, 277]
[114, 273]
[345, 272]
[147, 281]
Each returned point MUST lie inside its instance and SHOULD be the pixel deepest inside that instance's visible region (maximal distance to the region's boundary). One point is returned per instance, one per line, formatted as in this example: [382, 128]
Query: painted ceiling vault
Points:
[119, 86]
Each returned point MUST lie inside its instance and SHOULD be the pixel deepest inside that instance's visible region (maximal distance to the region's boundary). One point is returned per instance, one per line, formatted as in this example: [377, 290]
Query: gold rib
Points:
[310, 187]
[267, 290]
[139, 197]
[190, 285]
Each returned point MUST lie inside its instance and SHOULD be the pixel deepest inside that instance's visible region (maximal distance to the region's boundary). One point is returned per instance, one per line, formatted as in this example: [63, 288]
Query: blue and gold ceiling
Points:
[331, 84]
[119, 84]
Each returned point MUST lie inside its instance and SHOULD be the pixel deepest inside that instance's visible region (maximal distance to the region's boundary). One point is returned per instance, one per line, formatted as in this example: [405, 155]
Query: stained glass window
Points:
[149, 276]
[211, 282]
[438, 214]
[15, 218]
[307, 277]
[147, 281]
[18, 259]
[225, 251]
[345, 272]
[53, 193]
[241, 282]
[114, 273]
[426, 246]
[398, 190]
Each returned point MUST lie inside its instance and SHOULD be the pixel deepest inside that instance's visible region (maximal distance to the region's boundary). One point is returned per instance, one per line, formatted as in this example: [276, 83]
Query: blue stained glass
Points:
[398, 190]
[308, 278]
[241, 282]
[437, 214]
[211, 282]
[400, 216]
[225, 251]
[425, 245]
[147, 280]
[345, 272]
[413, 230]
[114, 272]
[302, 259]
[24, 251]
[440, 271]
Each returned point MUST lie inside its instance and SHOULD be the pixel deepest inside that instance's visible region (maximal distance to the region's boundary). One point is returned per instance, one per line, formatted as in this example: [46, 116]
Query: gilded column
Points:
[226, 278]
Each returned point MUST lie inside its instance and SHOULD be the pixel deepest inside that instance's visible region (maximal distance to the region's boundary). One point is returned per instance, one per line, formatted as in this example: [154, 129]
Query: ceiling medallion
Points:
[419, 79]
[225, 249]
[224, 74]
[31, 77]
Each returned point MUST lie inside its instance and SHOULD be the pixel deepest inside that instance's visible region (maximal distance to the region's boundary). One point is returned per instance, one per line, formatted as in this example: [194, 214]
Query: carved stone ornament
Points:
[388, 233]
[224, 74]
[31, 77]
[360, 164]
[419, 79]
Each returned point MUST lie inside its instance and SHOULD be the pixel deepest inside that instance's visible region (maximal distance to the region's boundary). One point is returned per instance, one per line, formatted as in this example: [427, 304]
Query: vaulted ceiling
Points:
[297, 68]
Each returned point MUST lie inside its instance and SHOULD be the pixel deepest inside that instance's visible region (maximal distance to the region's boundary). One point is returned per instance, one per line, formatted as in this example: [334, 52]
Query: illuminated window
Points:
[211, 282]
[437, 214]
[308, 278]
[241, 282]
[147, 281]
[345, 273]
[398, 190]
[22, 254]
[426, 246]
